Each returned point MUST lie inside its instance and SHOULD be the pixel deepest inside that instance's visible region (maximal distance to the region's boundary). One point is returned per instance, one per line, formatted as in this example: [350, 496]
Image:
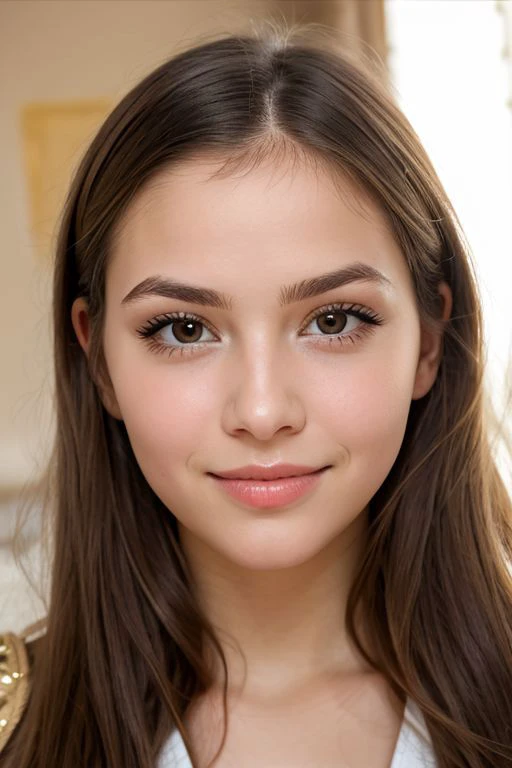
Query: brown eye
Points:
[331, 322]
[337, 322]
[185, 330]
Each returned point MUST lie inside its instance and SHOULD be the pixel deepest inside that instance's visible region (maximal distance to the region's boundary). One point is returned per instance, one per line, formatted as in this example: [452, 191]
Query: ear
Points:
[431, 348]
[82, 328]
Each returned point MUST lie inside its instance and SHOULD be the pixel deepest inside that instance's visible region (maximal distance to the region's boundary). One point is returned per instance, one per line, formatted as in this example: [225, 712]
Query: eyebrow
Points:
[304, 289]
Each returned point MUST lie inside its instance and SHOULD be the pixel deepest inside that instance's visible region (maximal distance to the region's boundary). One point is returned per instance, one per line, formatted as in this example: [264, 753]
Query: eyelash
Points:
[149, 332]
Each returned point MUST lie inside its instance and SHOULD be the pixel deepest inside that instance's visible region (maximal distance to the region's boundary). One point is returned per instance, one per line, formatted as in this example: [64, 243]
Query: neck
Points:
[280, 629]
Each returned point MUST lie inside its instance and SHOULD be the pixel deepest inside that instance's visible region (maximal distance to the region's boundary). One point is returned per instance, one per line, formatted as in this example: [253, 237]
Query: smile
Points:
[269, 494]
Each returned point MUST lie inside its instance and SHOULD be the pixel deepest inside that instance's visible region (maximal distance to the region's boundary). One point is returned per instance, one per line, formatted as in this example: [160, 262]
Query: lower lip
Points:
[267, 494]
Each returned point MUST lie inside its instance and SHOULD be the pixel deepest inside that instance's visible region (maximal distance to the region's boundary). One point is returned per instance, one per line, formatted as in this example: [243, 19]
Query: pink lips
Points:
[266, 494]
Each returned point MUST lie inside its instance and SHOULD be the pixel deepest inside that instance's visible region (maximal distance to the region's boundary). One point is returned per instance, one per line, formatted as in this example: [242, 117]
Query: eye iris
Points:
[333, 318]
[193, 330]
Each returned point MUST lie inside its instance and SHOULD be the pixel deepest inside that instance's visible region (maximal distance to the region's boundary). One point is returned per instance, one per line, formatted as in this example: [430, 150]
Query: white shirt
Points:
[413, 750]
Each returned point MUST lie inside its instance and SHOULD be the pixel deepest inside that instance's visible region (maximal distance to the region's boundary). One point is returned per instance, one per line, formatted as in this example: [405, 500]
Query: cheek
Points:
[374, 405]
[371, 420]
[364, 407]
[165, 418]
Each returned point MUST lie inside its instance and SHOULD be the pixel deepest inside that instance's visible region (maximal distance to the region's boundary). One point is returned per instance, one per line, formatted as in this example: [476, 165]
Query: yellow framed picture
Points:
[54, 137]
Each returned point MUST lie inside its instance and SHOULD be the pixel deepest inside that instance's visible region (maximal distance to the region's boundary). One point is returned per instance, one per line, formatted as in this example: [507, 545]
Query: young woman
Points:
[279, 535]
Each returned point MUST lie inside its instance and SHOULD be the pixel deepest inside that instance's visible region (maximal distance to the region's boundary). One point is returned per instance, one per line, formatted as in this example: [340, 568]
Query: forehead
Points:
[275, 219]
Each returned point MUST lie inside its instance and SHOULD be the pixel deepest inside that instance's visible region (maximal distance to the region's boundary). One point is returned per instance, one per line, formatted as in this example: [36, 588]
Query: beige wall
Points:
[60, 51]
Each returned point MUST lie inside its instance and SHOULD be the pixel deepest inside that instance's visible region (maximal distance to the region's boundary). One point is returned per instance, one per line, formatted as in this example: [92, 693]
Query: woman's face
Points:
[258, 378]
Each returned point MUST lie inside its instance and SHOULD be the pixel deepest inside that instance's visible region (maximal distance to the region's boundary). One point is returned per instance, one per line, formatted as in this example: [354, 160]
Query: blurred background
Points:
[65, 63]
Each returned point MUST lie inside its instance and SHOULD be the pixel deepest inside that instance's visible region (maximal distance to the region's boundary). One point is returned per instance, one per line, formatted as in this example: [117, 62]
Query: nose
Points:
[264, 398]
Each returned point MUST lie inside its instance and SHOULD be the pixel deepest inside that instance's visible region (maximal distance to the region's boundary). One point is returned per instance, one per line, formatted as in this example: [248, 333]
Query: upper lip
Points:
[274, 472]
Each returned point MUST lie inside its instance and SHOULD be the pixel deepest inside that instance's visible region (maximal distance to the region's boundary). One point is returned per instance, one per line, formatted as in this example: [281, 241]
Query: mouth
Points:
[261, 473]
[271, 493]
[262, 480]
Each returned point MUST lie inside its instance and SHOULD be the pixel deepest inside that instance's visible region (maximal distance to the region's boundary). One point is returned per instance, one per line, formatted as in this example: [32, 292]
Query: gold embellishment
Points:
[14, 684]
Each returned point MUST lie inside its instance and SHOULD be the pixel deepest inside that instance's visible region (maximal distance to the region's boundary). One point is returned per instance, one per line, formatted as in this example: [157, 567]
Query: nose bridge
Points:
[264, 387]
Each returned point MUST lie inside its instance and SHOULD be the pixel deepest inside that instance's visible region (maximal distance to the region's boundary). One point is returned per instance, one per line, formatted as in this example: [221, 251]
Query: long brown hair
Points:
[124, 650]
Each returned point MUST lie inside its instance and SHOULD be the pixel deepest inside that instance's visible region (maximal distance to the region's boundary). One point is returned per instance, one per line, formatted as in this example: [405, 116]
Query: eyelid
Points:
[162, 320]
[349, 307]
[167, 318]
[361, 311]
[150, 332]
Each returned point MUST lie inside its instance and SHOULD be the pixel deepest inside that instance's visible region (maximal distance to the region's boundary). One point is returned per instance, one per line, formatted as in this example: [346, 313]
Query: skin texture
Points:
[265, 387]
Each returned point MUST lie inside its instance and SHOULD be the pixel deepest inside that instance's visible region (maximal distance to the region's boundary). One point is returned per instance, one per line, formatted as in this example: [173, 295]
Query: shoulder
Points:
[16, 660]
